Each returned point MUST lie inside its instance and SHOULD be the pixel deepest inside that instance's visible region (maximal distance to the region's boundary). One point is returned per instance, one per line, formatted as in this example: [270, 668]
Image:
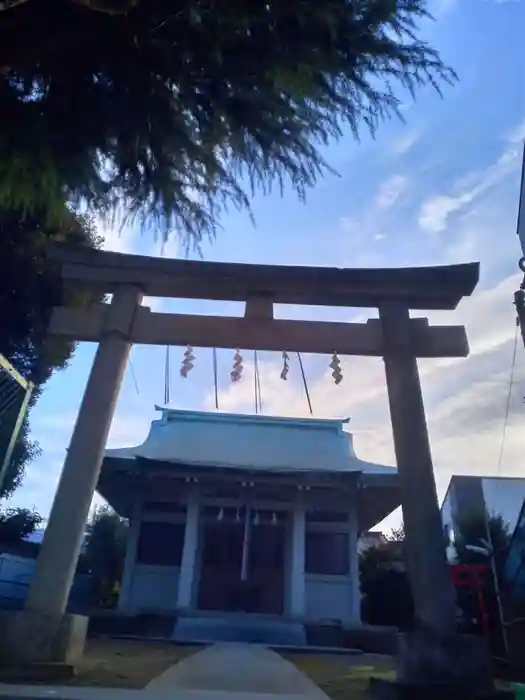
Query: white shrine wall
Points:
[154, 589]
[327, 594]
[335, 595]
[148, 588]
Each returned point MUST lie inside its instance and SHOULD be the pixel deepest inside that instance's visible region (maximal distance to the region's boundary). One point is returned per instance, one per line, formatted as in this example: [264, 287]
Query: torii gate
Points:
[396, 337]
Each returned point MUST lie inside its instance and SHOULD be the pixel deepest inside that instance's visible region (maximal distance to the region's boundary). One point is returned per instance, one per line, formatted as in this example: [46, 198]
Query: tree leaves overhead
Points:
[29, 289]
[28, 292]
[169, 110]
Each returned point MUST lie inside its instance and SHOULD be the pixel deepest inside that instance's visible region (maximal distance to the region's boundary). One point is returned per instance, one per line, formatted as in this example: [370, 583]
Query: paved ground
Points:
[32, 692]
[238, 668]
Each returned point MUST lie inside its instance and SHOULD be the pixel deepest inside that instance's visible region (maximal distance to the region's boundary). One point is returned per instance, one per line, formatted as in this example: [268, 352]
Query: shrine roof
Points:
[249, 442]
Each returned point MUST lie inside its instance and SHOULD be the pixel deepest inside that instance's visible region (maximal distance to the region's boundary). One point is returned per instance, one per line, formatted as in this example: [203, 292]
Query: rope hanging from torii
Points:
[236, 374]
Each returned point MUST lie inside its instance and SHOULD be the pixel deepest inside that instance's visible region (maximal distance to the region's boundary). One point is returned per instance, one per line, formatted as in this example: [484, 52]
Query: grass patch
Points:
[347, 678]
[125, 663]
[343, 678]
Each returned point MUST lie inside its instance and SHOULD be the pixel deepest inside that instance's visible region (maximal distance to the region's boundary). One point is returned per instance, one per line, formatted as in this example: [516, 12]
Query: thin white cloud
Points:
[390, 191]
[435, 212]
[404, 143]
[373, 223]
[516, 135]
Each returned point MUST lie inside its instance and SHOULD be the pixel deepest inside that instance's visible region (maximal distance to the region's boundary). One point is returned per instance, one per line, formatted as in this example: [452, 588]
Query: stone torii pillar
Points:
[432, 586]
[433, 655]
[37, 630]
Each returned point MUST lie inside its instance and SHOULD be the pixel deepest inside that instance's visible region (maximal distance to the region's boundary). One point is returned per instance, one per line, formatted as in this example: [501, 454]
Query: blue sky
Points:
[440, 188]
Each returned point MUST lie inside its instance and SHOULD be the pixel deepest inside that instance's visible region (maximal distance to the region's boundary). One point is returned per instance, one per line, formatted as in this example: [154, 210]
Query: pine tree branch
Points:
[168, 111]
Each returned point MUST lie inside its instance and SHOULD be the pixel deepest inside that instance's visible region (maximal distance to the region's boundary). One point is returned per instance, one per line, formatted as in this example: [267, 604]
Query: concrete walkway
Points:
[237, 668]
[244, 671]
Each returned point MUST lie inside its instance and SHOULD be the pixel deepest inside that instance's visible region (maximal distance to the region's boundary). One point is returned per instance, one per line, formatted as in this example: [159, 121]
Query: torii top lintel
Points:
[440, 287]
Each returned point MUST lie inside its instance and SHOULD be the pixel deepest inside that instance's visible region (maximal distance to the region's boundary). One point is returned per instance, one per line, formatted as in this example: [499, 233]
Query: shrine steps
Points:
[256, 629]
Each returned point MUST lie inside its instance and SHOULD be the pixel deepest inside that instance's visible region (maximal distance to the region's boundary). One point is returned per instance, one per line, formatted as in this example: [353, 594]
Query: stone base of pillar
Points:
[438, 668]
[394, 690]
[27, 637]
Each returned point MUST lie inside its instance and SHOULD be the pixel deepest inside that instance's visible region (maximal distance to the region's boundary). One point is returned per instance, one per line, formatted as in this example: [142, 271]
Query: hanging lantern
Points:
[238, 515]
[236, 372]
[220, 515]
[274, 518]
[335, 365]
[286, 365]
[187, 362]
[256, 518]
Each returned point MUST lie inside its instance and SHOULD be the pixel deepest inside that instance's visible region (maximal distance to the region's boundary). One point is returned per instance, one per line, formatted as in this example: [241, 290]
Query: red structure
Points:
[472, 576]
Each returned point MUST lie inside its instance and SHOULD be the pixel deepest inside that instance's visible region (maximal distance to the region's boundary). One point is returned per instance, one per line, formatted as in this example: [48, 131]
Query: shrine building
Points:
[244, 515]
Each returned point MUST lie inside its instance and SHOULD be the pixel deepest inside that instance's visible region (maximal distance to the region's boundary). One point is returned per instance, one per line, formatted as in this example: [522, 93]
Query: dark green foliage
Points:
[25, 451]
[170, 110]
[387, 599]
[104, 554]
[16, 524]
[378, 558]
[28, 292]
[397, 534]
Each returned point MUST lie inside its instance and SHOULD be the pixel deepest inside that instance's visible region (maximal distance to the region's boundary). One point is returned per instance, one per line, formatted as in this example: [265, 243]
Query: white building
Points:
[483, 495]
[245, 514]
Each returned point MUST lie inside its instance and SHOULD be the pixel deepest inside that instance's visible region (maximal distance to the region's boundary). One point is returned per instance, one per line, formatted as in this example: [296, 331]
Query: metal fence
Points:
[15, 392]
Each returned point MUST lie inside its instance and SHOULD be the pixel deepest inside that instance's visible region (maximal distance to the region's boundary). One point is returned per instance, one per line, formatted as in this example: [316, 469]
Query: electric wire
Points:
[133, 376]
[509, 397]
